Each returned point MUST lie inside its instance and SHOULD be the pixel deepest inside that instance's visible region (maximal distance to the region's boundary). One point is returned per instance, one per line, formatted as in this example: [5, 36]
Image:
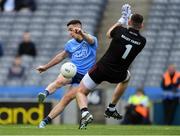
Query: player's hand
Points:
[41, 69]
[78, 30]
[126, 10]
[125, 14]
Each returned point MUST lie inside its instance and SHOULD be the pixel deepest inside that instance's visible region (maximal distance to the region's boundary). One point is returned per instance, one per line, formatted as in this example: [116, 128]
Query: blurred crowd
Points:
[26, 48]
[137, 110]
[171, 85]
[17, 5]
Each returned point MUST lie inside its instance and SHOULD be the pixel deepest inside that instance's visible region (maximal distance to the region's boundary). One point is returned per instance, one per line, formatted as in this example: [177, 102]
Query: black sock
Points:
[47, 120]
[46, 92]
[112, 105]
[84, 109]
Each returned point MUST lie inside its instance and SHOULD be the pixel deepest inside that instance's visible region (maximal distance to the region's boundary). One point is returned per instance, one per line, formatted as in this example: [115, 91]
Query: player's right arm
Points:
[108, 34]
[57, 59]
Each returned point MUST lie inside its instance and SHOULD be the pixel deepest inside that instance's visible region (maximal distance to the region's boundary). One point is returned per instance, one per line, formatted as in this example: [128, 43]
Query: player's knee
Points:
[79, 90]
[68, 98]
[82, 90]
[59, 83]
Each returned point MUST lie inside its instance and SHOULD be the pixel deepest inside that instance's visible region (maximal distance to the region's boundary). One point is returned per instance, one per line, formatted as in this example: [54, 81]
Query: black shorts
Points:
[77, 78]
[99, 73]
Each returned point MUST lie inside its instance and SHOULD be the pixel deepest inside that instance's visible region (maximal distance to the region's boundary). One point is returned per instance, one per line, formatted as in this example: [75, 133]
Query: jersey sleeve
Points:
[116, 32]
[95, 42]
[67, 47]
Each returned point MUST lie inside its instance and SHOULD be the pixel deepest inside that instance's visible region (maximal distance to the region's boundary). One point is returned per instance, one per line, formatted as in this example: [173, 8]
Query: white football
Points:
[68, 70]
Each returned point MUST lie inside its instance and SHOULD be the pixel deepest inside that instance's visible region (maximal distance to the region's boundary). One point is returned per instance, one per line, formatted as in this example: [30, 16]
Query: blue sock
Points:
[46, 92]
[47, 120]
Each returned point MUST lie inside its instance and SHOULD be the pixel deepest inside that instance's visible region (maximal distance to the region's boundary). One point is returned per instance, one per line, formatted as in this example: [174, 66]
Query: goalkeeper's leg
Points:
[119, 90]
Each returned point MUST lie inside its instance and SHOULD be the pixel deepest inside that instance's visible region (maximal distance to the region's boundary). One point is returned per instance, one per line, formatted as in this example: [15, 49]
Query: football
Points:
[68, 70]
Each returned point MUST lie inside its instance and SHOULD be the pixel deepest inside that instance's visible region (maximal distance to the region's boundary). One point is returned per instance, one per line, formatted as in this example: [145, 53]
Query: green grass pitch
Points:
[53, 130]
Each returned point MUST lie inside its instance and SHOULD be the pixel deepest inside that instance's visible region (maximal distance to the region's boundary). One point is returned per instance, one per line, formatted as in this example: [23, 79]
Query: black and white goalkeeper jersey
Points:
[124, 47]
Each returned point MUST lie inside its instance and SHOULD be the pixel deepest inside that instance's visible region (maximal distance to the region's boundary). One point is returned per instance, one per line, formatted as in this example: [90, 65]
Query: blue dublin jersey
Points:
[82, 54]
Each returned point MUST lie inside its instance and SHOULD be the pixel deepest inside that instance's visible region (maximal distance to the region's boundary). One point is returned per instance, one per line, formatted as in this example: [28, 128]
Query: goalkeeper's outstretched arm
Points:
[123, 21]
[108, 34]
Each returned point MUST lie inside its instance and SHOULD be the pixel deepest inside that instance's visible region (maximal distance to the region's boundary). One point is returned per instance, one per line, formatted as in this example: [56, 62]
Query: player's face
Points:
[71, 30]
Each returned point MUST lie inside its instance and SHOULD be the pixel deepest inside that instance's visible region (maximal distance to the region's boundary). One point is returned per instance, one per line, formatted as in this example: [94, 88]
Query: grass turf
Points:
[91, 130]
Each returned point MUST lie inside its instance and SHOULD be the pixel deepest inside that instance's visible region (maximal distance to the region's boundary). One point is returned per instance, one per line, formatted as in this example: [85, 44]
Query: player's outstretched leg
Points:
[42, 124]
[88, 118]
[112, 113]
[42, 96]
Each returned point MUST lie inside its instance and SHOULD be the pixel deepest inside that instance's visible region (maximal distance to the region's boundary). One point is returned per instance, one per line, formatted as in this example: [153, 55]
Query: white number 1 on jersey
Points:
[128, 49]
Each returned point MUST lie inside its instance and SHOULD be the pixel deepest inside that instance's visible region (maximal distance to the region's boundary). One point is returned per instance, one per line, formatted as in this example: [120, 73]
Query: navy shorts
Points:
[77, 78]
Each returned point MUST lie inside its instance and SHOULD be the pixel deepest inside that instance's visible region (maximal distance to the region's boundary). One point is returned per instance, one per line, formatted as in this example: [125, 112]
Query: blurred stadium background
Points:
[47, 26]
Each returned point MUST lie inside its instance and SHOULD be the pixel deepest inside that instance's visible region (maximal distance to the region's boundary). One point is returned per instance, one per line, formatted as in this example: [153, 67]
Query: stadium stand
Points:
[162, 33]
[162, 49]
[47, 27]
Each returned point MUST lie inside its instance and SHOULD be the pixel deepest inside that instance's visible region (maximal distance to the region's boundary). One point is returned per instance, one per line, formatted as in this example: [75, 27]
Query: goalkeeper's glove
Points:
[126, 10]
[125, 14]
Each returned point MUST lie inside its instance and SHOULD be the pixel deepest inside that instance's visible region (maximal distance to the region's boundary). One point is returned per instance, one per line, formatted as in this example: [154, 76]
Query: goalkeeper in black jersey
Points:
[126, 44]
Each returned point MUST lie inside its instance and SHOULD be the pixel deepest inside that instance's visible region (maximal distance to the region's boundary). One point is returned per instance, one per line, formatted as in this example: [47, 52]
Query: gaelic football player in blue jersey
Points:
[81, 50]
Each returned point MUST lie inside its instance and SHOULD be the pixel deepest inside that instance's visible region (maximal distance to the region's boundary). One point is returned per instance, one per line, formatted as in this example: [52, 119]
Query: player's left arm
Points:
[87, 37]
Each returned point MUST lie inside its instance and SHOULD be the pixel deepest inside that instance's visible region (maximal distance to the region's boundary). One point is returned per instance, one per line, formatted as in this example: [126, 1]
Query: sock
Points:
[84, 111]
[111, 107]
[47, 120]
[46, 92]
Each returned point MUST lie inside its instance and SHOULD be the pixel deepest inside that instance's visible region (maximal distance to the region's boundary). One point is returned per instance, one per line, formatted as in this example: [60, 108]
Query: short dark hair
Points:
[74, 22]
[137, 20]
